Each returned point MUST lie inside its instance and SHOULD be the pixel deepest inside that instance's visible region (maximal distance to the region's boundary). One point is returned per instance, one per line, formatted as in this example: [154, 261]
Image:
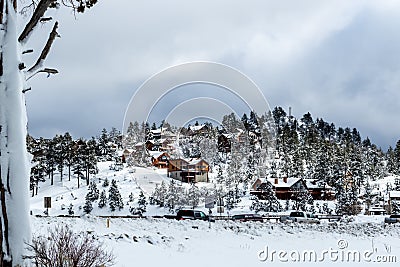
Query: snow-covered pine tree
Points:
[131, 197]
[172, 196]
[93, 193]
[256, 205]
[71, 209]
[368, 195]
[397, 183]
[102, 199]
[271, 201]
[347, 198]
[301, 199]
[104, 146]
[106, 182]
[88, 207]
[193, 196]
[114, 197]
[397, 158]
[142, 202]
[395, 207]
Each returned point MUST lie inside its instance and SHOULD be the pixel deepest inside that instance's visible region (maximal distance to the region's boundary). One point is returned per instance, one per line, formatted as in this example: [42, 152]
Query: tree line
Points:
[69, 157]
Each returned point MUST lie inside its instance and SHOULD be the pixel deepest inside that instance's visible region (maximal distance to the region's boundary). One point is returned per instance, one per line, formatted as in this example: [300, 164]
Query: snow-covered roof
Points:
[196, 127]
[378, 208]
[281, 183]
[394, 194]
[156, 154]
[313, 183]
[156, 131]
[194, 161]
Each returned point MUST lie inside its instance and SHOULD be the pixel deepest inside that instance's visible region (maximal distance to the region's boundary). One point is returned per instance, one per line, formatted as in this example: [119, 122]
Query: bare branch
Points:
[37, 15]
[26, 90]
[49, 71]
[39, 63]
[28, 51]
[45, 19]
[29, 7]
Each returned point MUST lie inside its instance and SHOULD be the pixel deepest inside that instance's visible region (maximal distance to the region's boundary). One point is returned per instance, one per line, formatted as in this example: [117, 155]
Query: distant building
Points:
[188, 170]
[160, 159]
[286, 188]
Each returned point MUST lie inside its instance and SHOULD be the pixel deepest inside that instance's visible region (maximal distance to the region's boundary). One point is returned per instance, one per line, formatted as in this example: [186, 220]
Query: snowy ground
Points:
[161, 242]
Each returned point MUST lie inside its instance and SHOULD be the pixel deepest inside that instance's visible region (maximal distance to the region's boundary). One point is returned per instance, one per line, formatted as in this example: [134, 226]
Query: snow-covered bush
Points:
[64, 248]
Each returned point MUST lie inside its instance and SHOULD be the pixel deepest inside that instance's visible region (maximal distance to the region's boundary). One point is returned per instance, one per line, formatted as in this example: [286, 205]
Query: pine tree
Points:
[396, 183]
[142, 203]
[271, 201]
[106, 182]
[302, 198]
[395, 206]
[193, 196]
[71, 209]
[87, 208]
[114, 197]
[69, 153]
[172, 196]
[368, 195]
[131, 197]
[93, 193]
[347, 200]
[102, 199]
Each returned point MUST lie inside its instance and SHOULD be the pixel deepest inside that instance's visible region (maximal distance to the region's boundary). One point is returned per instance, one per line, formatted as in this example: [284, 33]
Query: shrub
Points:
[64, 248]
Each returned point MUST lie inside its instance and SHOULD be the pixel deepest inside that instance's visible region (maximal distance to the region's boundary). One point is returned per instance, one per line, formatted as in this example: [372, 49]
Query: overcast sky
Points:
[339, 60]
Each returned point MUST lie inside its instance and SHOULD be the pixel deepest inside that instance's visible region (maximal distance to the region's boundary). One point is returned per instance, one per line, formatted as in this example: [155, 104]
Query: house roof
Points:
[189, 161]
[377, 208]
[282, 184]
[314, 184]
[157, 131]
[157, 154]
[394, 194]
[196, 128]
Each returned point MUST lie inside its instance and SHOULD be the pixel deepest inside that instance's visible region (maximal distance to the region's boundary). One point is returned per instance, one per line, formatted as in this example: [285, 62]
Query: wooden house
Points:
[320, 190]
[284, 188]
[160, 160]
[188, 170]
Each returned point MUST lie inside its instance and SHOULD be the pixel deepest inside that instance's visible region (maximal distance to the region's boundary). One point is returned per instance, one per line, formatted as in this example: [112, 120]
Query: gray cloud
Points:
[339, 60]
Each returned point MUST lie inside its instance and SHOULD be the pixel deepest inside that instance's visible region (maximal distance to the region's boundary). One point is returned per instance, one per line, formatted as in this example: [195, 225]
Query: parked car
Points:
[394, 218]
[300, 217]
[188, 214]
[247, 217]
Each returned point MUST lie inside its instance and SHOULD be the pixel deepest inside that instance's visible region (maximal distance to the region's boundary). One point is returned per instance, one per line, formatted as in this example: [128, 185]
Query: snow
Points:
[162, 242]
[281, 183]
[394, 194]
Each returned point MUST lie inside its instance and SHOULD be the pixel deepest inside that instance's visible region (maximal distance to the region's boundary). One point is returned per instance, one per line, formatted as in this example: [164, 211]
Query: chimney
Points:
[276, 181]
[285, 180]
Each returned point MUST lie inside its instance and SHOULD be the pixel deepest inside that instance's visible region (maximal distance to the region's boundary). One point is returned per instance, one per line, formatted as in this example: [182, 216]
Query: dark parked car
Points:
[394, 218]
[247, 217]
[191, 215]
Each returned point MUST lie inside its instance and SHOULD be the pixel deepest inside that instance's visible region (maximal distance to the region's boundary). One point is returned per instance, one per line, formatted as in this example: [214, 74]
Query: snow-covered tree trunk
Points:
[14, 163]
